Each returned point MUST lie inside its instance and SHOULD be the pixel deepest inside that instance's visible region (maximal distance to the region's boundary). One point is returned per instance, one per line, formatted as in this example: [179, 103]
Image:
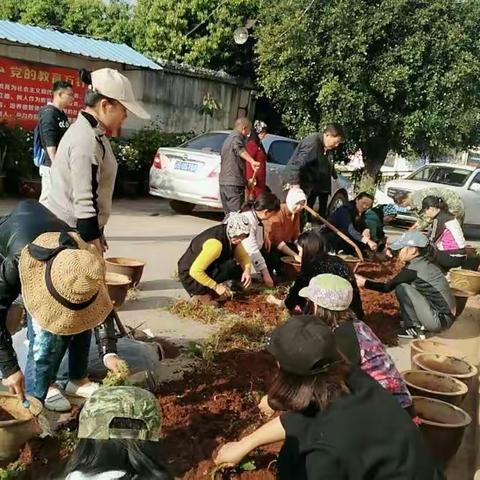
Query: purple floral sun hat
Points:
[329, 291]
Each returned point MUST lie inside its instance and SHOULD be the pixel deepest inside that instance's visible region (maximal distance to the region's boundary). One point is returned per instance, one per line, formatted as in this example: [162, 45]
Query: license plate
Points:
[186, 166]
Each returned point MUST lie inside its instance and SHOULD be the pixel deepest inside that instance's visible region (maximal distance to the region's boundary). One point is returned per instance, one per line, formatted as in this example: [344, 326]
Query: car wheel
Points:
[183, 208]
[338, 200]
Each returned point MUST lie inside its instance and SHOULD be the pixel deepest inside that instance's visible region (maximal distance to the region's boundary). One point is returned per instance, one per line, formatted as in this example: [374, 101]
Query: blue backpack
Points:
[38, 151]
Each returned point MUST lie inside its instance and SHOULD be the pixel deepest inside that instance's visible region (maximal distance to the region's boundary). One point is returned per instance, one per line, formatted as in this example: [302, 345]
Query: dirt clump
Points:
[214, 405]
[381, 309]
[255, 306]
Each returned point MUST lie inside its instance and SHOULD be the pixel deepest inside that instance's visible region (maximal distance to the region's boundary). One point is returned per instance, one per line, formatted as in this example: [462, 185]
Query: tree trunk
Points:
[374, 152]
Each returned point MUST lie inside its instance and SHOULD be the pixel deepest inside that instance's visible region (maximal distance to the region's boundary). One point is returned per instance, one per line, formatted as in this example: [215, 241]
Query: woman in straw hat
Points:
[26, 224]
[84, 171]
[337, 422]
[64, 291]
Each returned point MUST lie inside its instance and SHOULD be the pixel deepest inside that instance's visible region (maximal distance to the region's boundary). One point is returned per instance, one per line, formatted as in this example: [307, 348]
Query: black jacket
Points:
[348, 221]
[24, 224]
[352, 439]
[310, 166]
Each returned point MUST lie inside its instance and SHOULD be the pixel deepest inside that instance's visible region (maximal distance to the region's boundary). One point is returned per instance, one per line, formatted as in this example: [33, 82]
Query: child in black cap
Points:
[338, 422]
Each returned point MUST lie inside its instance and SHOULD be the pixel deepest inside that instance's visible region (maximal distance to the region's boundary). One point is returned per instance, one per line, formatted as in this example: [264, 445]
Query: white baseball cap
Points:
[112, 84]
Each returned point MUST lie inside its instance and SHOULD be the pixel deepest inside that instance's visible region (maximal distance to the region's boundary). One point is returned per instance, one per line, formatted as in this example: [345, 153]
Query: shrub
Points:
[135, 153]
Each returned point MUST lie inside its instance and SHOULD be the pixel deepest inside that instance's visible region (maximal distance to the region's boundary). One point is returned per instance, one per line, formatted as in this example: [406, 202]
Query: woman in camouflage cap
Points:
[119, 436]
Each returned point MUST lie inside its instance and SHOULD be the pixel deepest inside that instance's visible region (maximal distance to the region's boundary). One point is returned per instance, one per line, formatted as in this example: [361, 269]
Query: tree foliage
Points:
[198, 32]
[399, 74]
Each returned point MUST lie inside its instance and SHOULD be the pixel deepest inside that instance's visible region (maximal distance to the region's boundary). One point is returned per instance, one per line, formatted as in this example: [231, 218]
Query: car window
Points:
[210, 142]
[455, 177]
[475, 185]
[280, 151]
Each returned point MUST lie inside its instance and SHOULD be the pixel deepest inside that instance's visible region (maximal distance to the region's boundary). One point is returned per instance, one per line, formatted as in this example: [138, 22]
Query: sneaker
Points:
[81, 391]
[412, 333]
[56, 402]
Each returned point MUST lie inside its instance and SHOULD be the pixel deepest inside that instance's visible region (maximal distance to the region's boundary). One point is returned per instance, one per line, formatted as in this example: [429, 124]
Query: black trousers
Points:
[232, 198]
[446, 261]
[273, 259]
[322, 202]
[221, 272]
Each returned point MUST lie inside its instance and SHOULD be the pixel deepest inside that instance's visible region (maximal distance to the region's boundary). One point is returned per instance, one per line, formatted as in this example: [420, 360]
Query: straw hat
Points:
[63, 283]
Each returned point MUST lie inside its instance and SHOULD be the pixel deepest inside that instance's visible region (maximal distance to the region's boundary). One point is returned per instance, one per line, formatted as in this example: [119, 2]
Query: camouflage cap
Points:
[108, 403]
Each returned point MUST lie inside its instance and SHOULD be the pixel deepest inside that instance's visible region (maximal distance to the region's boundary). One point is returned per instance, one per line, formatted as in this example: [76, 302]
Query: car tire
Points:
[339, 199]
[182, 208]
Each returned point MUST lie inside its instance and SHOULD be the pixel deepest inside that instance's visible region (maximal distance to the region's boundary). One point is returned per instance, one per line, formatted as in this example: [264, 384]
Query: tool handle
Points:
[335, 230]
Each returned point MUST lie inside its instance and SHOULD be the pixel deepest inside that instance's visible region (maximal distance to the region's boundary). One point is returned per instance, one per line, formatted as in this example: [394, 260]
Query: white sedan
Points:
[188, 175]
[463, 179]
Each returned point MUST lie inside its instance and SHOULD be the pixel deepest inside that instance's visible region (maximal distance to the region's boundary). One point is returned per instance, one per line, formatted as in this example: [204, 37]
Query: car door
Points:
[278, 155]
[471, 199]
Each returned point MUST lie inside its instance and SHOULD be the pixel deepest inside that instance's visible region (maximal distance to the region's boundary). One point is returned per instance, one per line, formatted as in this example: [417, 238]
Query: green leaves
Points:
[400, 74]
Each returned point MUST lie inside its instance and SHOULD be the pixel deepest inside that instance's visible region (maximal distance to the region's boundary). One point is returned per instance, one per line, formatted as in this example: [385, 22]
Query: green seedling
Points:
[248, 466]
[115, 379]
[193, 350]
[12, 471]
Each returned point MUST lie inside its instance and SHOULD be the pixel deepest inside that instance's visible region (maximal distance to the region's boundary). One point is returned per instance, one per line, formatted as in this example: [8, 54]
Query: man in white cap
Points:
[83, 174]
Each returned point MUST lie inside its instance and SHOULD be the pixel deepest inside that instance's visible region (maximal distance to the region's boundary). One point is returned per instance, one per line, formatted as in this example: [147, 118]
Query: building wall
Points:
[172, 98]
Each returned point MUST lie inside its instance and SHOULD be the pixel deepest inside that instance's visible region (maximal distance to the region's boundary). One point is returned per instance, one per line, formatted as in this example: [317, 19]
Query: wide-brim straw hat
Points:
[63, 283]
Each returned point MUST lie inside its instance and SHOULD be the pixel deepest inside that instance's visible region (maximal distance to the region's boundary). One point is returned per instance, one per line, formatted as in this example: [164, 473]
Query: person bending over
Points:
[215, 257]
[425, 298]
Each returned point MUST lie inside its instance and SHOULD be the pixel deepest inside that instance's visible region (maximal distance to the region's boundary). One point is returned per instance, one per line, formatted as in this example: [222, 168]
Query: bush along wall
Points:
[135, 156]
[16, 162]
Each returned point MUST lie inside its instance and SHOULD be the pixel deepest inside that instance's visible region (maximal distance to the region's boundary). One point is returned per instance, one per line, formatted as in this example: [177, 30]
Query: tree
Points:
[401, 75]
[198, 32]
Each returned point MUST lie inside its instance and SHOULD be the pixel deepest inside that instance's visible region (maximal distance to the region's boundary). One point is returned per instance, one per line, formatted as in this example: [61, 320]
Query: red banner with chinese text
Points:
[25, 87]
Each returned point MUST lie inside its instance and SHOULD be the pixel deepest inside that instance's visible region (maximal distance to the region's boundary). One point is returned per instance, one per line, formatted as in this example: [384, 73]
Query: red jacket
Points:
[257, 152]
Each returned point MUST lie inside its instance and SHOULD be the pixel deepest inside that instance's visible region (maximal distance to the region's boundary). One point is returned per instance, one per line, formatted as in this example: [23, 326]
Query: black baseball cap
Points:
[303, 345]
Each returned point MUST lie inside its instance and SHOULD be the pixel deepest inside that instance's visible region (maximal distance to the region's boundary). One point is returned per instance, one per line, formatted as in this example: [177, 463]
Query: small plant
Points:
[193, 350]
[68, 440]
[175, 276]
[248, 466]
[203, 313]
[235, 333]
[12, 471]
[114, 379]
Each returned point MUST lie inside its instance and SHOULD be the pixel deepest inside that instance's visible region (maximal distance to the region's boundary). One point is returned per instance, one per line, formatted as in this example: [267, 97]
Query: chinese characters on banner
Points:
[25, 87]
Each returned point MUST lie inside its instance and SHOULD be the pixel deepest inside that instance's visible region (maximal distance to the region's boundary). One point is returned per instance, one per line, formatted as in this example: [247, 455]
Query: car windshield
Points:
[455, 177]
[209, 142]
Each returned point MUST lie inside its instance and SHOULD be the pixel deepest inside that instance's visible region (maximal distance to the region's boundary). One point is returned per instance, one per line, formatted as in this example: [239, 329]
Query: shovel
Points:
[251, 184]
[337, 231]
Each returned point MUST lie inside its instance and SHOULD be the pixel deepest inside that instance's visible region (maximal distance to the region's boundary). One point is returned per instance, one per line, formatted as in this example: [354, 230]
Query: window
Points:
[281, 151]
[455, 177]
[475, 185]
[209, 142]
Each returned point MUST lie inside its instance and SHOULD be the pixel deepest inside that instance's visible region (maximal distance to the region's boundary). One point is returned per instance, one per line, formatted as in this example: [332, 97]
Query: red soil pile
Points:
[381, 309]
[249, 306]
[212, 406]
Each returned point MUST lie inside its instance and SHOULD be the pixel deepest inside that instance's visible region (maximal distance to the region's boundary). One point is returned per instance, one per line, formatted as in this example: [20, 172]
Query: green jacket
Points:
[374, 224]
